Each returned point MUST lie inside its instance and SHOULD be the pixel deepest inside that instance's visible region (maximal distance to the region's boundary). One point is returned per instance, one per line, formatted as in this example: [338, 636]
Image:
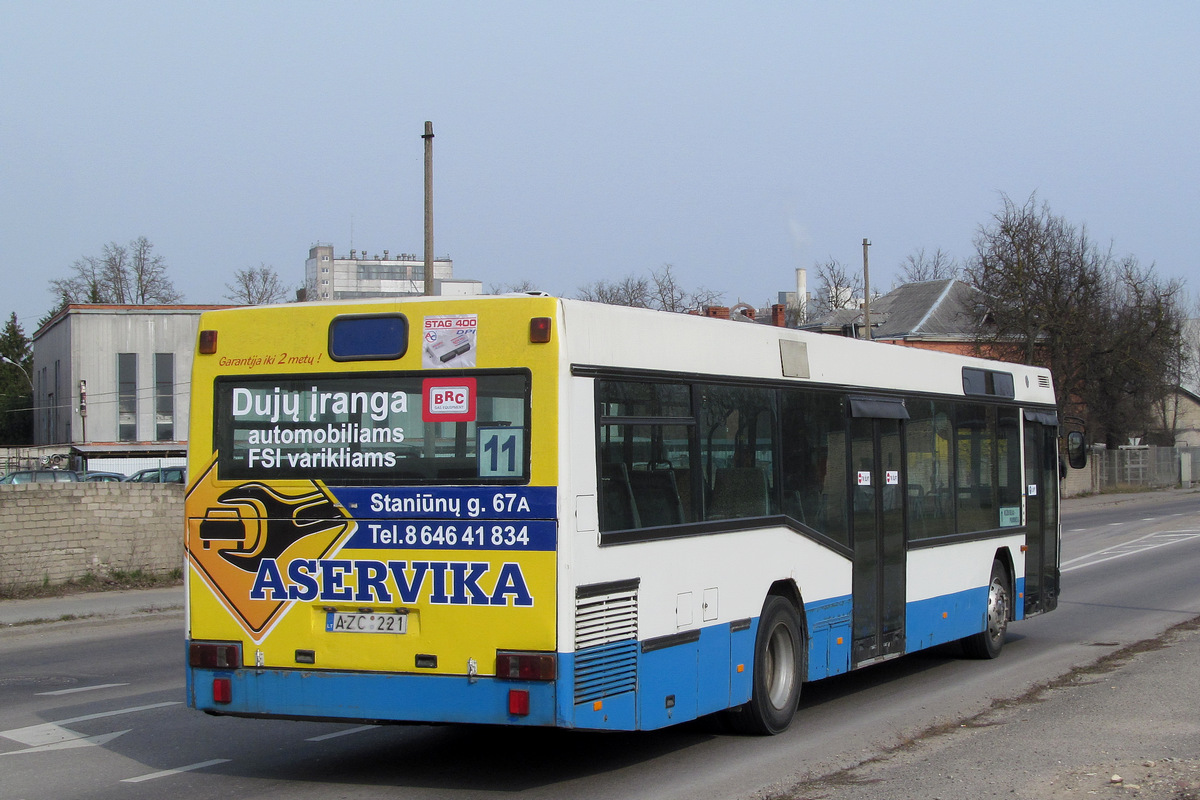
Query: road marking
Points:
[78, 740]
[116, 713]
[56, 733]
[1147, 542]
[81, 689]
[346, 732]
[175, 771]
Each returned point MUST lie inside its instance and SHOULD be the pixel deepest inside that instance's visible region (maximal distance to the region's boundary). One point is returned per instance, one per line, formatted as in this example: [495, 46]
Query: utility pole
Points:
[428, 137]
[83, 407]
[866, 290]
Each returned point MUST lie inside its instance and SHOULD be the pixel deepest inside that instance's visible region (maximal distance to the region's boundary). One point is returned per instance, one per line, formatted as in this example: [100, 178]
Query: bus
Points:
[527, 510]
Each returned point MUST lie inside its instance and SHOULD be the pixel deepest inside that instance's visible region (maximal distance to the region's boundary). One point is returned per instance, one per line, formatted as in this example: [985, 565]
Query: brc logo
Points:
[448, 400]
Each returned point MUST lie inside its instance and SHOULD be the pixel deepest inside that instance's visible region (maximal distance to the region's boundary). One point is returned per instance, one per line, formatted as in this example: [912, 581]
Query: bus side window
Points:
[618, 512]
[656, 497]
[739, 492]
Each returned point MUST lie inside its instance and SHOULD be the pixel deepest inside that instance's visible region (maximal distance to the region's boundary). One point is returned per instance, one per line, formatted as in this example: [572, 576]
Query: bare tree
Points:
[919, 266]
[1184, 373]
[146, 272]
[661, 291]
[517, 287]
[126, 275]
[670, 295]
[1107, 328]
[837, 286]
[255, 286]
[629, 291]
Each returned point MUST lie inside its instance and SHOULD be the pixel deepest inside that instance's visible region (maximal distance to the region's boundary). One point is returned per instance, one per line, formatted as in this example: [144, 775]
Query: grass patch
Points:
[92, 582]
[1122, 488]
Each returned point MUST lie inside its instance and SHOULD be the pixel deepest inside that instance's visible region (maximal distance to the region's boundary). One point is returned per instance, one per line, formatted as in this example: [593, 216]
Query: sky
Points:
[579, 142]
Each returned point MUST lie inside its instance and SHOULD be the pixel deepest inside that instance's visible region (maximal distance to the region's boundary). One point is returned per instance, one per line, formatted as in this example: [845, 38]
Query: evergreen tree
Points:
[16, 393]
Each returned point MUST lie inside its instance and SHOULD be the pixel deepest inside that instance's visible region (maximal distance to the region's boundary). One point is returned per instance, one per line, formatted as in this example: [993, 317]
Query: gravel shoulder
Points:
[1127, 725]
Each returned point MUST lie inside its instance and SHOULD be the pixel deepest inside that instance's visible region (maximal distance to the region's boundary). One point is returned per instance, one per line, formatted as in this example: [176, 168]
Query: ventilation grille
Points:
[606, 620]
[1044, 381]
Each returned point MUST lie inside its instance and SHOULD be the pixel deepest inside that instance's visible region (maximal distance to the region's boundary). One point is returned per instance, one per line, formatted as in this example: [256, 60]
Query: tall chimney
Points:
[428, 137]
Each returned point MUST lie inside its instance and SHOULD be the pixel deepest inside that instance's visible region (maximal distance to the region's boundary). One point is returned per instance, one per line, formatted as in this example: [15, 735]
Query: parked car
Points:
[158, 475]
[102, 477]
[41, 476]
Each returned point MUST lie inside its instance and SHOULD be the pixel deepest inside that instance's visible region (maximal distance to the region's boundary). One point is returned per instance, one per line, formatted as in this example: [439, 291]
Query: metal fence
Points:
[1141, 467]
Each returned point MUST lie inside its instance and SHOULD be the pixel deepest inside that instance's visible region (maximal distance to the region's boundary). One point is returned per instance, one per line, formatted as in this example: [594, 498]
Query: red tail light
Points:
[215, 655]
[222, 690]
[539, 330]
[518, 702]
[527, 666]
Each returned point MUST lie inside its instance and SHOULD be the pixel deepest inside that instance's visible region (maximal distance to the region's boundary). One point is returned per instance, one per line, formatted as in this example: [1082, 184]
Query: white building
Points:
[133, 365]
[332, 277]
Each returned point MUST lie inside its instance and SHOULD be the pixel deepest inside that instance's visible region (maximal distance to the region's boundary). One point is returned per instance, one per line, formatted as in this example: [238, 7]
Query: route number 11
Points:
[501, 452]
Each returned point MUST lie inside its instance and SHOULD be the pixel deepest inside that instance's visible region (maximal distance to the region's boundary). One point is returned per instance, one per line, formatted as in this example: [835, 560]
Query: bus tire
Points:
[990, 641]
[779, 660]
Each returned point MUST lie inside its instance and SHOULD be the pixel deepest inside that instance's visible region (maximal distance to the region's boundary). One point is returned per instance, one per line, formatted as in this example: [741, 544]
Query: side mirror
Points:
[1076, 450]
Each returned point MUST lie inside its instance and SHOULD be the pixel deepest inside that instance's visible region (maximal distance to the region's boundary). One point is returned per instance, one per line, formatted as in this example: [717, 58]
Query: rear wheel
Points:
[779, 659]
[990, 641]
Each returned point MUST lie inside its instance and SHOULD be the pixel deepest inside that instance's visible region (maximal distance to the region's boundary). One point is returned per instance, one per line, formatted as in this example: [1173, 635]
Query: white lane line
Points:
[346, 732]
[118, 712]
[176, 771]
[1147, 542]
[81, 689]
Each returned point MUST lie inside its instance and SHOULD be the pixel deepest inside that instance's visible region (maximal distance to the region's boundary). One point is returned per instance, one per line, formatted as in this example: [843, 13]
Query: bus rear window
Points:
[366, 337]
[375, 428]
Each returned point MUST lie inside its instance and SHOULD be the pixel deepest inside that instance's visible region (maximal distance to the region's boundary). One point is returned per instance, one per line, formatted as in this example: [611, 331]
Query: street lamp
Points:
[8, 360]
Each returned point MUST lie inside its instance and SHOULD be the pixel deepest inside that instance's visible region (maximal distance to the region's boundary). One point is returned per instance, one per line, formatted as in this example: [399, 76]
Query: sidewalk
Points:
[1091, 501]
[91, 605]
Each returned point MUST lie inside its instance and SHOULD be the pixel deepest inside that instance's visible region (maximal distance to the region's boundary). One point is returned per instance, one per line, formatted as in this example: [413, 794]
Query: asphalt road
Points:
[94, 709]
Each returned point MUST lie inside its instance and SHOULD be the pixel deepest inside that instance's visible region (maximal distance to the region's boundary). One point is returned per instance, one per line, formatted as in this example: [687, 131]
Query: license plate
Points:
[359, 622]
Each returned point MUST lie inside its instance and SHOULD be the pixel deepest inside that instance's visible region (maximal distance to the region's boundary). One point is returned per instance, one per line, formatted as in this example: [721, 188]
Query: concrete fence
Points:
[53, 532]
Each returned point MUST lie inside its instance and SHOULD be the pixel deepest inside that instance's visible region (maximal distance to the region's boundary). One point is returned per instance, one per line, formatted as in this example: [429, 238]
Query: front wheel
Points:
[990, 641]
[779, 659]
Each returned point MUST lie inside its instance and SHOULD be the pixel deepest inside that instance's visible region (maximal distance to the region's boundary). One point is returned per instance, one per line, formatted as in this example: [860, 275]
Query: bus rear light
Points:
[539, 330]
[518, 702]
[208, 342]
[215, 655]
[526, 666]
[222, 690]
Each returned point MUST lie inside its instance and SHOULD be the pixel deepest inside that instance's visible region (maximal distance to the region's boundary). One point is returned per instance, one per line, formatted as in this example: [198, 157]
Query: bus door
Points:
[877, 486]
[1041, 514]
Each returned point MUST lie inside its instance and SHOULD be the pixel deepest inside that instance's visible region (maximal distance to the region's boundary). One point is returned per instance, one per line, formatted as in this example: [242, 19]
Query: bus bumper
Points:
[370, 697]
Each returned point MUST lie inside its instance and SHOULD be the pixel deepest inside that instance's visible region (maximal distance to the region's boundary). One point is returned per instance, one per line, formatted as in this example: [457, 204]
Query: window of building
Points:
[127, 397]
[164, 397]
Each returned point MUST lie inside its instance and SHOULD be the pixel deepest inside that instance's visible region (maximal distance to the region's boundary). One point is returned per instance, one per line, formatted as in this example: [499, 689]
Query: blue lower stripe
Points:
[619, 687]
